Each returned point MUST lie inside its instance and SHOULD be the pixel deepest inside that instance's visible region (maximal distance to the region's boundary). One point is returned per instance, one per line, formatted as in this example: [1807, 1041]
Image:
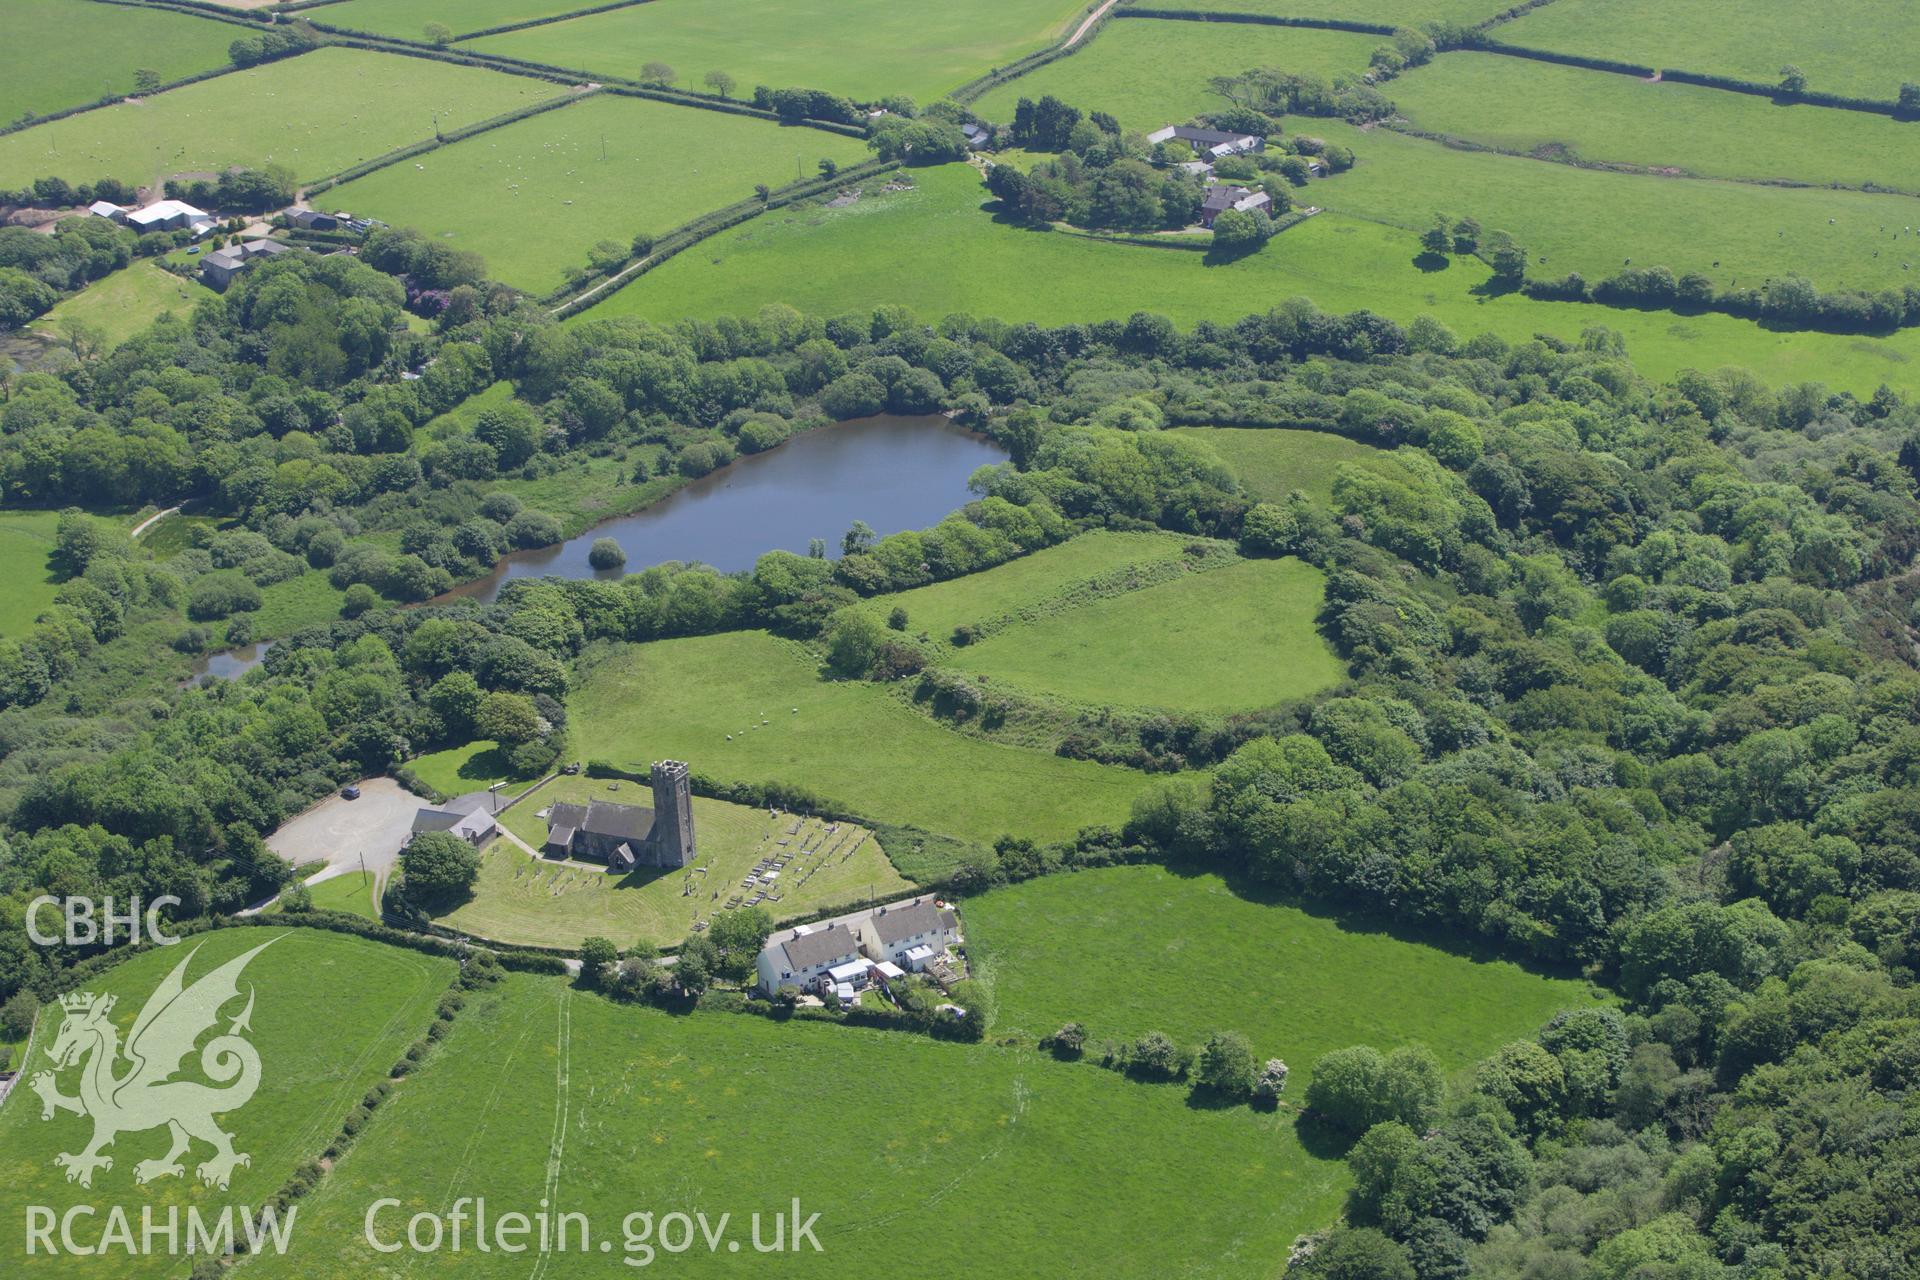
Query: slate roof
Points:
[806, 950]
[904, 922]
[629, 822]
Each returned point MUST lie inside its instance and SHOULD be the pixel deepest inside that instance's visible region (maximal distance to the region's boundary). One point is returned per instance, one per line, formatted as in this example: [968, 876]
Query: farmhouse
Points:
[625, 836]
[220, 267]
[1222, 198]
[1209, 144]
[170, 215]
[465, 817]
[805, 955]
[912, 934]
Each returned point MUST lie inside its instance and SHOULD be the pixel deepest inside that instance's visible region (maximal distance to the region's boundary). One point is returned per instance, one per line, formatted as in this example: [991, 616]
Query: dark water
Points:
[230, 664]
[893, 472]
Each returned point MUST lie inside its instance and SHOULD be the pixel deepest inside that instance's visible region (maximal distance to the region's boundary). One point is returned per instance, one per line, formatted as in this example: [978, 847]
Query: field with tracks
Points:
[532, 197]
[934, 251]
[331, 1015]
[1019, 1164]
[521, 899]
[1385, 13]
[729, 702]
[264, 116]
[408, 19]
[1054, 951]
[66, 53]
[864, 48]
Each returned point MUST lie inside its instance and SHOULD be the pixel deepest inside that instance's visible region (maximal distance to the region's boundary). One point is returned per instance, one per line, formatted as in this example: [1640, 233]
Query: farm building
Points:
[312, 220]
[1222, 198]
[625, 836]
[219, 268]
[170, 215]
[1209, 144]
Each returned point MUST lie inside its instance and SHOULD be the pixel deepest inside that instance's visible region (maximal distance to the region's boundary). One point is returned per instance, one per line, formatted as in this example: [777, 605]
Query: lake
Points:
[229, 664]
[893, 472]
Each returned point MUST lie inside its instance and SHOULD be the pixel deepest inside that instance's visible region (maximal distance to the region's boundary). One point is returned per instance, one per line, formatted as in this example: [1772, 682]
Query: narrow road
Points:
[158, 515]
[1084, 27]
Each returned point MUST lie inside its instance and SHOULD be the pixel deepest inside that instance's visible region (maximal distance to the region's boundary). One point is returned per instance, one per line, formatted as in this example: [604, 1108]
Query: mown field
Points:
[1126, 950]
[331, 1015]
[1229, 639]
[1518, 105]
[1003, 1158]
[351, 892]
[935, 251]
[27, 583]
[534, 196]
[523, 900]
[1388, 13]
[124, 303]
[1147, 74]
[863, 48]
[408, 19]
[317, 114]
[1271, 464]
[1027, 582]
[1861, 48]
[1598, 222]
[66, 53]
[704, 700]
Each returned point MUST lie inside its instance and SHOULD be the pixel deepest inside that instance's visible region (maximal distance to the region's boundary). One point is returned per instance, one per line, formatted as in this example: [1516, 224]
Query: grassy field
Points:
[977, 1160]
[317, 114]
[1271, 464]
[1857, 47]
[124, 303]
[408, 19]
[1125, 950]
[1597, 222]
[66, 53]
[27, 584]
[350, 892]
[1390, 13]
[549, 904]
[1231, 639]
[533, 196]
[933, 250]
[332, 1014]
[458, 770]
[863, 48]
[1517, 105]
[703, 700]
[1147, 74]
[1027, 582]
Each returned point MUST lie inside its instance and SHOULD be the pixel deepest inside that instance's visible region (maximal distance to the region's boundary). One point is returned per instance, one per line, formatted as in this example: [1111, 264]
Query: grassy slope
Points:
[27, 585]
[934, 251]
[1230, 639]
[1016, 1164]
[1594, 222]
[65, 53]
[333, 1013]
[532, 197]
[1517, 105]
[939, 608]
[1859, 47]
[520, 900]
[351, 892]
[1271, 464]
[407, 19]
[124, 303]
[1125, 950]
[862, 48]
[317, 114]
[852, 742]
[1147, 74]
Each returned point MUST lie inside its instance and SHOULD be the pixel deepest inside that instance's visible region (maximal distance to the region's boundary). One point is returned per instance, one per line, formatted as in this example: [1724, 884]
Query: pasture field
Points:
[524, 900]
[1271, 464]
[350, 892]
[1860, 48]
[1598, 222]
[124, 303]
[703, 700]
[1126, 950]
[1028, 582]
[1517, 105]
[1387, 13]
[455, 771]
[1146, 74]
[936, 252]
[1231, 639]
[407, 19]
[27, 583]
[66, 53]
[331, 1014]
[1003, 1158]
[865, 49]
[266, 115]
[533, 196]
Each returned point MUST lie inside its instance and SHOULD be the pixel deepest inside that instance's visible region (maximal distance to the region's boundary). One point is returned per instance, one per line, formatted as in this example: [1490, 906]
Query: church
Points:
[625, 836]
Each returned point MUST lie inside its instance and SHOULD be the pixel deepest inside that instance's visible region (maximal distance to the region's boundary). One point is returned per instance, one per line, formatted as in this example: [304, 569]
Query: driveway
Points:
[342, 832]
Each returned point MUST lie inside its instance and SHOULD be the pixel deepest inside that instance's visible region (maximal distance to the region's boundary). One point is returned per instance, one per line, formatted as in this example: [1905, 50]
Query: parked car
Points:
[350, 793]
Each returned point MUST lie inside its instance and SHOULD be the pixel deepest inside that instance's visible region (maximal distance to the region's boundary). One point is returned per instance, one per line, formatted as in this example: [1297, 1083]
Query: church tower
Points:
[672, 814]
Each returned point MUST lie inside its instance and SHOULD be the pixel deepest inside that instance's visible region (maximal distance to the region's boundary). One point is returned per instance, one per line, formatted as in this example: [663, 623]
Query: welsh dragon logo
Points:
[132, 1089]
